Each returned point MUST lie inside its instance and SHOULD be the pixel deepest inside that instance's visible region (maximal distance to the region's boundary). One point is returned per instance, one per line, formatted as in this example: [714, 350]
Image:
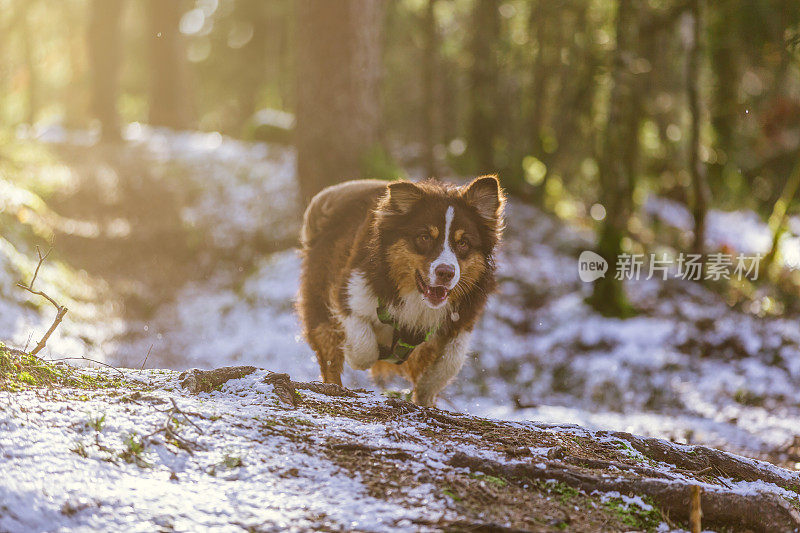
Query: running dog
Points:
[396, 274]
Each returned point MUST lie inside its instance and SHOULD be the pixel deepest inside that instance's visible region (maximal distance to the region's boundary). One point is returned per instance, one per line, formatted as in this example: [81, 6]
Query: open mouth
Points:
[435, 295]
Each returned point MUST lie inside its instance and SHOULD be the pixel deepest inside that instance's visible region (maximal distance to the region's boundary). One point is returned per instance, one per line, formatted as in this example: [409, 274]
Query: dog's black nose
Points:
[444, 273]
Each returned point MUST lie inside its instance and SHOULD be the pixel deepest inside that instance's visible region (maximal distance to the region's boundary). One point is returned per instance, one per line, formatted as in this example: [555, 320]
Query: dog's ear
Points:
[485, 195]
[402, 196]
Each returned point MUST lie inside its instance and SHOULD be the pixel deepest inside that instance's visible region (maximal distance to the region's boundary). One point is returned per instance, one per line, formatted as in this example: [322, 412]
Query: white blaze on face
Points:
[447, 257]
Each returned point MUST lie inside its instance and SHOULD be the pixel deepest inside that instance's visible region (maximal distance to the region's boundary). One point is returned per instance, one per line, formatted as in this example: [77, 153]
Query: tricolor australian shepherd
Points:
[396, 274]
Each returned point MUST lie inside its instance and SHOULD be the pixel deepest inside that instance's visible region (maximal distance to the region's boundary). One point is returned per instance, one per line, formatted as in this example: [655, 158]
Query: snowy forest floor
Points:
[247, 449]
[175, 250]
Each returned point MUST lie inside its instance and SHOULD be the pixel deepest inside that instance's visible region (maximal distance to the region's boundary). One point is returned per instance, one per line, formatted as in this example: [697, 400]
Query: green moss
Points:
[563, 491]
[497, 481]
[399, 394]
[134, 449]
[633, 515]
[231, 461]
[21, 371]
[294, 421]
[25, 377]
[450, 493]
[746, 397]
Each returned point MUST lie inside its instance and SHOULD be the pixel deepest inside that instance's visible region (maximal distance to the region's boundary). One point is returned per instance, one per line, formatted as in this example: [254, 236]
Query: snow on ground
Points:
[688, 368]
[736, 231]
[244, 472]
[253, 189]
[98, 459]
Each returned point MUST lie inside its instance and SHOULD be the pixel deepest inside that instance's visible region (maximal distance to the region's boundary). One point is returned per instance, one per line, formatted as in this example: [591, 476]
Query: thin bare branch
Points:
[41, 260]
[166, 428]
[121, 373]
[145, 358]
[60, 309]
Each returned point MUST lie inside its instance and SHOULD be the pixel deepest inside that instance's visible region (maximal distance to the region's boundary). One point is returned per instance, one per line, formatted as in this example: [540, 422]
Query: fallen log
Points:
[721, 508]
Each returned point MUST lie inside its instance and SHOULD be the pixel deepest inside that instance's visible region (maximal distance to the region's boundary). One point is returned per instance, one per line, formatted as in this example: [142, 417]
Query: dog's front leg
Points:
[436, 377]
[360, 343]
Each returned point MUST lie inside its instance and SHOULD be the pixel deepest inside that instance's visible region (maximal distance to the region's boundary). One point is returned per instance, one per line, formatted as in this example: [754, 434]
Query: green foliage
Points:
[96, 422]
[539, 75]
[377, 162]
[134, 450]
[80, 449]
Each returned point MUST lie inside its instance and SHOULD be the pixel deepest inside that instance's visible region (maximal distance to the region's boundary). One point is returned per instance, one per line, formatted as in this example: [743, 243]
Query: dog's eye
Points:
[462, 245]
[423, 240]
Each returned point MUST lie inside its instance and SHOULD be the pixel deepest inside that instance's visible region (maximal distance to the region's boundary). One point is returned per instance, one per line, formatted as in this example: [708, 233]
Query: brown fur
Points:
[371, 233]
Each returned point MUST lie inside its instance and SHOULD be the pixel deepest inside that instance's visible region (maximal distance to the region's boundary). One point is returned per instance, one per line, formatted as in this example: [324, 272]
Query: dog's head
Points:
[438, 239]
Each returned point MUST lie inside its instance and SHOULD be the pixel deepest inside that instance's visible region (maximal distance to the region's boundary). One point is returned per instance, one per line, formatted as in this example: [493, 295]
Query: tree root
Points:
[701, 458]
[197, 380]
[207, 380]
[328, 389]
[758, 512]
[284, 388]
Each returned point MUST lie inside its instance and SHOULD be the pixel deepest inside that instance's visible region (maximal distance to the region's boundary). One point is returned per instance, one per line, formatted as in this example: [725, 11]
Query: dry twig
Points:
[695, 511]
[82, 358]
[60, 309]
[166, 428]
[145, 358]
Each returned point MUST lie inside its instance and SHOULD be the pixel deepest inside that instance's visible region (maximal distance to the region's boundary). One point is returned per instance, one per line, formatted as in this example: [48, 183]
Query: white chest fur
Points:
[411, 312]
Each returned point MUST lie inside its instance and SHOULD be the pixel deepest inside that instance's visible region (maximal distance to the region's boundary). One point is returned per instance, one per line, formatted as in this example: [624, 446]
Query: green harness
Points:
[403, 341]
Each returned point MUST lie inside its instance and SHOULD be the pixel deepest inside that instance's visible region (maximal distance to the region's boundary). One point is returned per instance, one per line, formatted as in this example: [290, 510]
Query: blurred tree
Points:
[483, 84]
[542, 32]
[618, 158]
[430, 127]
[28, 36]
[338, 99]
[103, 43]
[697, 169]
[170, 95]
[253, 55]
[723, 30]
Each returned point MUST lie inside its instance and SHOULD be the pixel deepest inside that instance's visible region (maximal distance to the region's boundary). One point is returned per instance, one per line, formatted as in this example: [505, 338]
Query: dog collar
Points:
[403, 341]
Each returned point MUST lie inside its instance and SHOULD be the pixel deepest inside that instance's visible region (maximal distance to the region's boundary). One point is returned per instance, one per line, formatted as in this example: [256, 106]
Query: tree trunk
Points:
[430, 124]
[542, 68]
[33, 77]
[338, 99]
[483, 78]
[104, 62]
[723, 52]
[618, 160]
[169, 88]
[255, 52]
[697, 168]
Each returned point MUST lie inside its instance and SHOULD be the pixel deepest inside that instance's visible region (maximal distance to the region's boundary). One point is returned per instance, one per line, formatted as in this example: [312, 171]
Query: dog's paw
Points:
[361, 359]
[360, 345]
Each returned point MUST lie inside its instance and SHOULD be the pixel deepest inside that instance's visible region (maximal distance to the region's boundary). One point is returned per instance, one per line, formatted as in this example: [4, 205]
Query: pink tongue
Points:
[437, 293]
